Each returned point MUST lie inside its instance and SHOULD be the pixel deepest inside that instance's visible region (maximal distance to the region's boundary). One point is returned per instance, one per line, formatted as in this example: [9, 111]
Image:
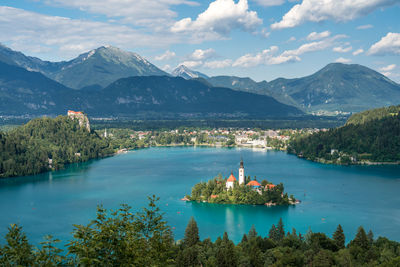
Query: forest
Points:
[376, 140]
[214, 191]
[45, 144]
[124, 238]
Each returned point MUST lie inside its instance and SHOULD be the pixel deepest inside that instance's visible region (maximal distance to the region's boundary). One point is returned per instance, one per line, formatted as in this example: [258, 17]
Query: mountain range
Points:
[43, 87]
[186, 73]
[24, 92]
[98, 67]
[336, 87]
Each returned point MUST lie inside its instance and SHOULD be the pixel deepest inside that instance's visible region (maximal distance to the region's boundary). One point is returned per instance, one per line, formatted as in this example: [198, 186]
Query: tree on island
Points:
[214, 191]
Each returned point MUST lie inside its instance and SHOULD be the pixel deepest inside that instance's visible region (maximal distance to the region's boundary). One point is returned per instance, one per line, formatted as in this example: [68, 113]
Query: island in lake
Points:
[243, 191]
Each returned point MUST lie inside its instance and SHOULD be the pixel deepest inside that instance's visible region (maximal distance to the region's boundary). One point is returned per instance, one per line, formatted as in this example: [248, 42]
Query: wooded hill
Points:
[48, 144]
[372, 136]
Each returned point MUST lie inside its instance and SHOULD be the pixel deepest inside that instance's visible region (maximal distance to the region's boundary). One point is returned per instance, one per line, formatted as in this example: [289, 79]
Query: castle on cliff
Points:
[81, 117]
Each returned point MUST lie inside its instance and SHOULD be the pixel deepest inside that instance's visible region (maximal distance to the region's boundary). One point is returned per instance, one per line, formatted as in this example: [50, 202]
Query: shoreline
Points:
[241, 204]
[360, 163]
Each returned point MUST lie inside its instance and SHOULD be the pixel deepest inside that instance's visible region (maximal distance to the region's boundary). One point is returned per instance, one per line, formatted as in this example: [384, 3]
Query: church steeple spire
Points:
[241, 172]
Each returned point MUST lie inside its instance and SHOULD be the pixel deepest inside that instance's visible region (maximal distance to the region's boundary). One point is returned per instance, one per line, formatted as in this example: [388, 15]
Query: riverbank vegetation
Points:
[361, 141]
[48, 144]
[214, 191]
[124, 238]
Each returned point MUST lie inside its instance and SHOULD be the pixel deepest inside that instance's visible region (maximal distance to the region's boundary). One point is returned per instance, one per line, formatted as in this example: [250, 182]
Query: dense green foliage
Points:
[214, 191]
[123, 238]
[375, 140]
[27, 149]
[373, 114]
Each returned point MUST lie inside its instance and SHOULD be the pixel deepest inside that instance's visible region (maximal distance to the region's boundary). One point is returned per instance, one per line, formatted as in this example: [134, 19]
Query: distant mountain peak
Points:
[186, 73]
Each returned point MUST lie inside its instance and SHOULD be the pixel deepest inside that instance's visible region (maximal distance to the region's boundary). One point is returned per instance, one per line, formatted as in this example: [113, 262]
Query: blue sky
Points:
[261, 39]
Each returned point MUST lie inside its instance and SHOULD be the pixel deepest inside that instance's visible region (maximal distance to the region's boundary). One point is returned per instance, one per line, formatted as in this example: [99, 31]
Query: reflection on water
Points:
[76, 169]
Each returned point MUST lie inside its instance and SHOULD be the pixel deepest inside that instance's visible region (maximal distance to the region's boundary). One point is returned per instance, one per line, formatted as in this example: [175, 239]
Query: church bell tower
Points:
[241, 173]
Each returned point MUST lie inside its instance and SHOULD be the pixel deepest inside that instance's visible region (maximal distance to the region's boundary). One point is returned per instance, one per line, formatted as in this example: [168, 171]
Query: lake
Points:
[51, 203]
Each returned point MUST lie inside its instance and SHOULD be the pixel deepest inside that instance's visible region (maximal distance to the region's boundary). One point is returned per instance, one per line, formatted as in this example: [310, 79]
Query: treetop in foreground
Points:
[125, 238]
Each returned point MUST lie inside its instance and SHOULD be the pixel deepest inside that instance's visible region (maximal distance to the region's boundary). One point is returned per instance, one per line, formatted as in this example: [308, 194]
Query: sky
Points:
[260, 39]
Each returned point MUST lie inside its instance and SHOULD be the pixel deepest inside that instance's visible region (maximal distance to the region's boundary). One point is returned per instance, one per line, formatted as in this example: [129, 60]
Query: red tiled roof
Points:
[214, 196]
[254, 183]
[231, 178]
[270, 186]
[75, 112]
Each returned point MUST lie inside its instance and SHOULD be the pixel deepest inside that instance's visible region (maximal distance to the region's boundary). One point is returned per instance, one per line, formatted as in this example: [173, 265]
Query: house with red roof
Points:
[254, 184]
[270, 186]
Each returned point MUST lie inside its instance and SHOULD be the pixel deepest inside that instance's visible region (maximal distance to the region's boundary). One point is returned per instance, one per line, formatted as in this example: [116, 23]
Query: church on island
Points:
[230, 183]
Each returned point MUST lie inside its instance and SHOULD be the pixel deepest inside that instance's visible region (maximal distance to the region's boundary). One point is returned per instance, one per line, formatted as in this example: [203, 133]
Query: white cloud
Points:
[314, 46]
[166, 56]
[266, 57]
[220, 18]
[65, 37]
[321, 10]
[191, 63]
[250, 60]
[358, 51]
[343, 60]
[291, 39]
[200, 54]
[341, 49]
[364, 27]
[388, 45]
[167, 68]
[266, 3]
[283, 59]
[263, 33]
[152, 13]
[388, 68]
[271, 57]
[218, 64]
[318, 35]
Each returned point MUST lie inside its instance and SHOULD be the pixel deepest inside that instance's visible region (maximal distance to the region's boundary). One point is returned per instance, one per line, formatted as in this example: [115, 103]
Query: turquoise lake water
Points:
[352, 196]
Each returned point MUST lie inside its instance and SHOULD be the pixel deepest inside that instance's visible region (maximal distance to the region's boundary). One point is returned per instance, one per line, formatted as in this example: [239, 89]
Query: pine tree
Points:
[370, 236]
[281, 230]
[361, 239]
[338, 237]
[252, 232]
[17, 251]
[225, 254]
[274, 233]
[191, 234]
[244, 239]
